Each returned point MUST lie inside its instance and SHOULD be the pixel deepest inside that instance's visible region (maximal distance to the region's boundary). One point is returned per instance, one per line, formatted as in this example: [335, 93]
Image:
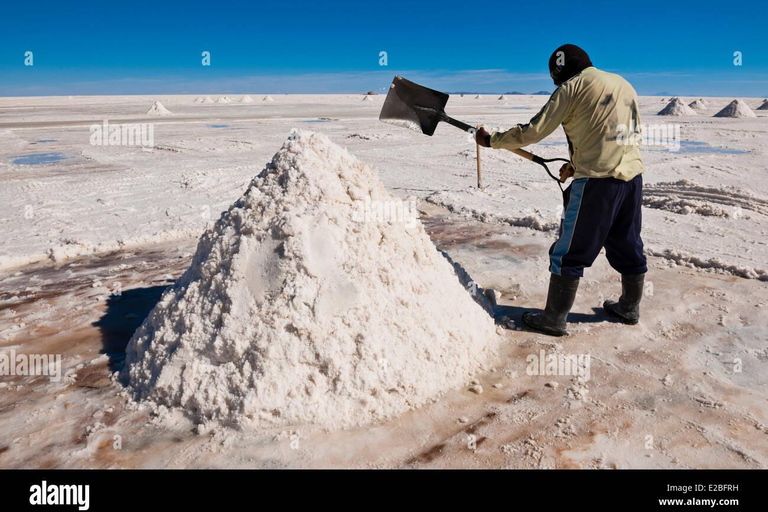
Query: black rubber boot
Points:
[628, 308]
[562, 293]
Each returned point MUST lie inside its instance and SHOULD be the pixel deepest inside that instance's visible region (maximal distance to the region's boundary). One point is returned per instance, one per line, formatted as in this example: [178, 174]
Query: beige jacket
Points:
[595, 108]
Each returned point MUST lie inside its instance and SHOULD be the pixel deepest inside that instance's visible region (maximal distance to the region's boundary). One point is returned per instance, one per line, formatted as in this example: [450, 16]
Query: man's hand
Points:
[482, 137]
[566, 171]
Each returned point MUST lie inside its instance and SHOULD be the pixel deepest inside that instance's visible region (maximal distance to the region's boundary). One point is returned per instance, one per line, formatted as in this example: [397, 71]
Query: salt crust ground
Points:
[672, 378]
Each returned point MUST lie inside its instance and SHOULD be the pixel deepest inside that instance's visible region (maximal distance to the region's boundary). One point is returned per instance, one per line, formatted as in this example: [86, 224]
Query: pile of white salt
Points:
[737, 109]
[676, 107]
[303, 304]
[158, 109]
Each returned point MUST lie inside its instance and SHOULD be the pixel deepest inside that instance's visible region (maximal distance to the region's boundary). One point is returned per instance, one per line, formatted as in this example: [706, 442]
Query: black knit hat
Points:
[566, 62]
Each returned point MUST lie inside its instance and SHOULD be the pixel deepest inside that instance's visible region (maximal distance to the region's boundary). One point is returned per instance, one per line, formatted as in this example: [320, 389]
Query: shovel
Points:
[419, 108]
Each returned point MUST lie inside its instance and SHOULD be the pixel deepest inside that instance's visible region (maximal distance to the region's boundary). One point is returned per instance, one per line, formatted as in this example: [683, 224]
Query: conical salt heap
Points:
[367, 98]
[267, 98]
[502, 97]
[699, 104]
[223, 99]
[676, 107]
[736, 108]
[764, 106]
[478, 97]
[157, 109]
[246, 99]
[207, 99]
[306, 304]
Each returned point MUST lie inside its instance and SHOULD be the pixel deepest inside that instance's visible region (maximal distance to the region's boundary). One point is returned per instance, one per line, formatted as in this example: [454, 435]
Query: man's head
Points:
[566, 62]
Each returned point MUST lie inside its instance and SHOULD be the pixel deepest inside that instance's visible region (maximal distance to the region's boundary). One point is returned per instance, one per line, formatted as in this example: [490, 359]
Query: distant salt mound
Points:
[157, 109]
[676, 107]
[246, 99]
[223, 99]
[304, 304]
[478, 97]
[367, 98]
[207, 99]
[502, 97]
[736, 108]
[267, 98]
[764, 106]
[699, 104]
[199, 99]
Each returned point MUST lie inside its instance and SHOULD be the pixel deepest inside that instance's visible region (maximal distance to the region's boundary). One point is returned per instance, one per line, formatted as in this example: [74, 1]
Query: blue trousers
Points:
[600, 212]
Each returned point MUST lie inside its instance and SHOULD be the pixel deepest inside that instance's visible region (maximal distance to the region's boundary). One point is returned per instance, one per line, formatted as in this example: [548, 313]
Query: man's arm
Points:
[545, 122]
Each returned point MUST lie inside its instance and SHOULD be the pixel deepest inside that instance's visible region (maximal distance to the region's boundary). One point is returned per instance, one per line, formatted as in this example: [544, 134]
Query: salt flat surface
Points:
[97, 219]
[663, 394]
[100, 198]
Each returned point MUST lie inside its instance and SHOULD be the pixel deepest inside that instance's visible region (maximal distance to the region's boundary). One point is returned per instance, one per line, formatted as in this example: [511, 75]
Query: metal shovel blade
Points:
[413, 106]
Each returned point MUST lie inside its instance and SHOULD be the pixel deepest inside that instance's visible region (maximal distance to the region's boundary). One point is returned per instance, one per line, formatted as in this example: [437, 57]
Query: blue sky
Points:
[137, 47]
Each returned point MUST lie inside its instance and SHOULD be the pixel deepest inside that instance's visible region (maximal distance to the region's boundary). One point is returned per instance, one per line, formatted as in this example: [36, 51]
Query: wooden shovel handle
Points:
[525, 154]
[479, 169]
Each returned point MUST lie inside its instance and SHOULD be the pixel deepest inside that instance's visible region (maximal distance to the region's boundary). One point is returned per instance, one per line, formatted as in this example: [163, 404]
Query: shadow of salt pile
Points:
[124, 314]
[478, 294]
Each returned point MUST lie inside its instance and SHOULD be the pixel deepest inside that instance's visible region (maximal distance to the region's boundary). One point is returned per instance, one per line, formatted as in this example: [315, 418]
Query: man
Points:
[602, 204]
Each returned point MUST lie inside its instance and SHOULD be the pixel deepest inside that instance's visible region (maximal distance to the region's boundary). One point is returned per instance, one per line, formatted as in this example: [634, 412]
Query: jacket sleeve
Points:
[545, 122]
